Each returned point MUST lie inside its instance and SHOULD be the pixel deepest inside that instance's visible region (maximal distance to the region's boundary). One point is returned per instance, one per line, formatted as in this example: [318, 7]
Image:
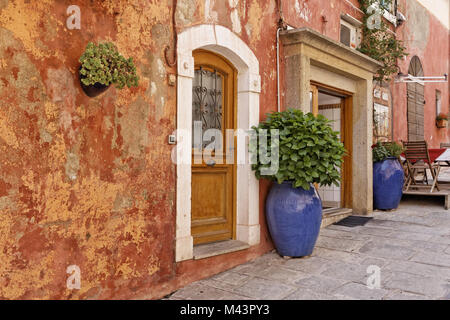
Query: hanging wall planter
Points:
[441, 120]
[92, 90]
[306, 151]
[101, 66]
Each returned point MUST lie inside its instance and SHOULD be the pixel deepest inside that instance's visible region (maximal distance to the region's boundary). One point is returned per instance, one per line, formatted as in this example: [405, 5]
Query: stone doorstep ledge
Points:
[203, 251]
[331, 216]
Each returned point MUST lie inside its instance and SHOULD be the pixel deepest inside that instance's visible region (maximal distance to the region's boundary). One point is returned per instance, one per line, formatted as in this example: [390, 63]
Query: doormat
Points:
[353, 221]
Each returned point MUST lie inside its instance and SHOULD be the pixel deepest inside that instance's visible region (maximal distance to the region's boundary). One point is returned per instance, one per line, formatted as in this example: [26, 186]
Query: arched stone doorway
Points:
[416, 102]
[222, 41]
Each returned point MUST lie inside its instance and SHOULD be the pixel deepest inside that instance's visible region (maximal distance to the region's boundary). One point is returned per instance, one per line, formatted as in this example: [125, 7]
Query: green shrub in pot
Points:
[309, 150]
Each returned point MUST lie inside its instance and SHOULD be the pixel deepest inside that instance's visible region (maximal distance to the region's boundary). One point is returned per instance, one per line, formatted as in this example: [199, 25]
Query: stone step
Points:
[330, 216]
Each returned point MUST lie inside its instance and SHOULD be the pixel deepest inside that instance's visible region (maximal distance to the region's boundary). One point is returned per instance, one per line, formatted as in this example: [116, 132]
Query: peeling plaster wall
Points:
[89, 181]
[83, 181]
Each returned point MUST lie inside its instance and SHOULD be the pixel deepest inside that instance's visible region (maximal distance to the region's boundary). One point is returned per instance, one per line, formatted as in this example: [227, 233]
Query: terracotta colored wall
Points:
[90, 181]
[425, 36]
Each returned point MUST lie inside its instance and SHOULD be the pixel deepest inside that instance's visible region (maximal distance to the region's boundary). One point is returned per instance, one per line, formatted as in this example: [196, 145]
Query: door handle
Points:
[210, 163]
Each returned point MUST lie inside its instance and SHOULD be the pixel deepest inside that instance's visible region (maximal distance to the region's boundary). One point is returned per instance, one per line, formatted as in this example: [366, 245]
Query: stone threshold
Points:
[203, 251]
[330, 216]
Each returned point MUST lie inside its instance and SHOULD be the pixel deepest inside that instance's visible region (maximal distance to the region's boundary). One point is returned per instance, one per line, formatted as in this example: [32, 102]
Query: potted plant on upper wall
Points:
[441, 120]
[309, 152]
[102, 65]
[388, 175]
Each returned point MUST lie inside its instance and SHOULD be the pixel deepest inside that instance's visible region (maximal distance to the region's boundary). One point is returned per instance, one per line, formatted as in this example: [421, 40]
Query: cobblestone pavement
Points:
[410, 245]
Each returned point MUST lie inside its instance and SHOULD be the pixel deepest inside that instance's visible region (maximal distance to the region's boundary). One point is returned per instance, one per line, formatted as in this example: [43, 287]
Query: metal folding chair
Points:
[417, 160]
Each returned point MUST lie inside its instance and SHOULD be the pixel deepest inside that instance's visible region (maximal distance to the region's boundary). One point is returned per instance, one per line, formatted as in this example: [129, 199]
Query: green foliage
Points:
[389, 149]
[380, 44]
[103, 64]
[309, 150]
[441, 116]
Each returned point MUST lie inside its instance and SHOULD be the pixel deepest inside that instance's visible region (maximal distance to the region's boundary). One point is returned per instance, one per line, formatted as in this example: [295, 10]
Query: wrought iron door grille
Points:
[207, 100]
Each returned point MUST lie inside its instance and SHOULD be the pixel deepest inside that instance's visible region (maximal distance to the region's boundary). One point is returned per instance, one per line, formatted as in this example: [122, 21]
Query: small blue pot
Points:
[388, 179]
[294, 216]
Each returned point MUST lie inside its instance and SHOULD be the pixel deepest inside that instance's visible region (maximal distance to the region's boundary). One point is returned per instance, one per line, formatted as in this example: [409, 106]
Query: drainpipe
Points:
[278, 68]
[281, 26]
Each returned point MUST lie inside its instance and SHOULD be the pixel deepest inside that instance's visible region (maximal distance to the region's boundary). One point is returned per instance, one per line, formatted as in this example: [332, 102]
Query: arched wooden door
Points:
[416, 102]
[213, 173]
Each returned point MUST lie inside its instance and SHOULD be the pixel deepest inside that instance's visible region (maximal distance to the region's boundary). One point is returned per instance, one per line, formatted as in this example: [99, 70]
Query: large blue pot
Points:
[294, 216]
[388, 179]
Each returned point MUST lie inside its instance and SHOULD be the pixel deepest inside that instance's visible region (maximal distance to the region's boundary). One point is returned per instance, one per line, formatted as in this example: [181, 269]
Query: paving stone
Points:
[360, 291]
[320, 284]
[347, 271]
[447, 251]
[255, 267]
[419, 269]
[424, 229]
[432, 287]
[282, 274]
[307, 294]
[446, 296]
[427, 220]
[221, 285]
[231, 278]
[343, 228]
[387, 250]
[342, 244]
[340, 234]
[333, 254]
[426, 246]
[440, 239]
[349, 257]
[376, 231]
[310, 265]
[402, 295]
[388, 224]
[259, 288]
[200, 291]
[411, 235]
[432, 258]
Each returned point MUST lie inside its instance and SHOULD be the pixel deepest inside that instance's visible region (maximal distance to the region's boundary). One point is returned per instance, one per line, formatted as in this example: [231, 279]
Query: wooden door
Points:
[347, 140]
[416, 102]
[213, 174]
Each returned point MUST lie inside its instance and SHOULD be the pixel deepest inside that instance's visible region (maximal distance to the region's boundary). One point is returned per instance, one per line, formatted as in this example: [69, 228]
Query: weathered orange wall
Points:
[425, 36]
[90, 181]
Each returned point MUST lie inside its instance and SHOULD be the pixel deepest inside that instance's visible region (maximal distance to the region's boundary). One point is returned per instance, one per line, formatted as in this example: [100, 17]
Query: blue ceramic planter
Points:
[388, 178]
[294, 216]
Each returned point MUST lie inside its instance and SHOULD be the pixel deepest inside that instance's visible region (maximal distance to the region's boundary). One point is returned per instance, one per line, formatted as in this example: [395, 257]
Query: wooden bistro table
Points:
[444, 158]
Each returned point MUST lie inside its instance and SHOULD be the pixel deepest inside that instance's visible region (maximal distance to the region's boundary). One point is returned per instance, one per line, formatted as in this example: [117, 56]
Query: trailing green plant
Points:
[309, 150]
[378, 42]
[382, 151]
[103, 64]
